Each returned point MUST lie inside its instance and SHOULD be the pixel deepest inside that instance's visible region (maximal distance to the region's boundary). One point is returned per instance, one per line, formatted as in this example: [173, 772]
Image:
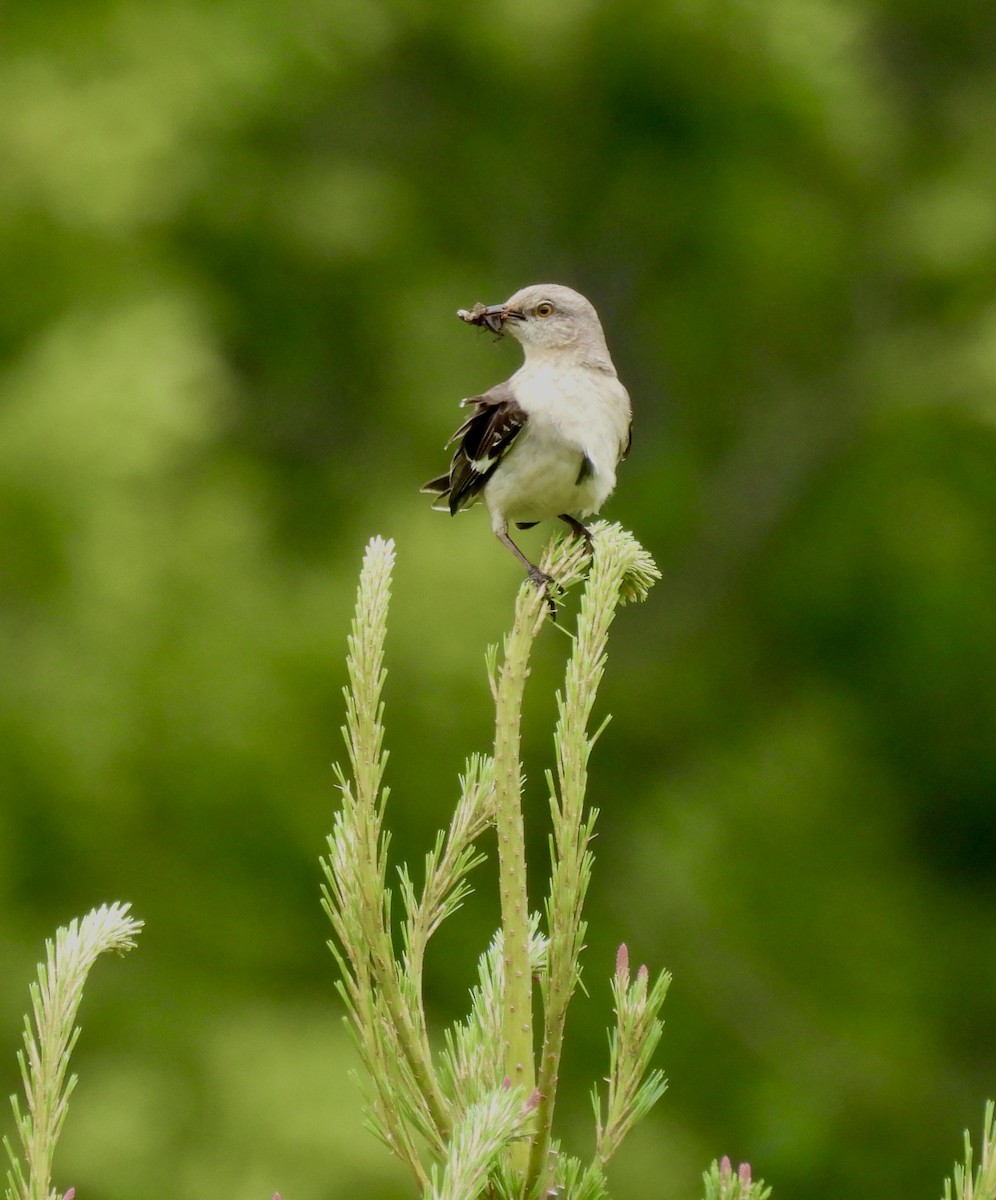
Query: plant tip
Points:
[622, 962]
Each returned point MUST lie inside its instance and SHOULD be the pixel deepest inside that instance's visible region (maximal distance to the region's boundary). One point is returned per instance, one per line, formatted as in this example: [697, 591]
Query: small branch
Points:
[633, 1087]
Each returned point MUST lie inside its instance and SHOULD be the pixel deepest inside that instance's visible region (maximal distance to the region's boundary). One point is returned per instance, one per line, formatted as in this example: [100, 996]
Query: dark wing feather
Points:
[484, 439]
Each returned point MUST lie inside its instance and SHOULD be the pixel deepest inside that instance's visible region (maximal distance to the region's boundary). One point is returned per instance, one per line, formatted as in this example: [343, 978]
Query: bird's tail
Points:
[439, 487]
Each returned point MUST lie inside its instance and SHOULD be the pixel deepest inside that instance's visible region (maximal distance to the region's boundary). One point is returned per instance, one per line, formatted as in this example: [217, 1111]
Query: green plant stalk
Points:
[517, 999]
[412, 1041]
[358, 995]
[517, 1003]
[364, 741]
[571, 866]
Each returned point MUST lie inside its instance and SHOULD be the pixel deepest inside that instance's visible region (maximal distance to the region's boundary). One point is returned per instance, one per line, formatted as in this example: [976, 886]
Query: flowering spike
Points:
[725, 1167]
[49, 1035]
[744, 1173]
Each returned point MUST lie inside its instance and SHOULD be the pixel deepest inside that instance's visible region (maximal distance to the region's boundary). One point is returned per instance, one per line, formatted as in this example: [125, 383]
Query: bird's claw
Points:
[546, 584]
[578, 530]
[586, 536]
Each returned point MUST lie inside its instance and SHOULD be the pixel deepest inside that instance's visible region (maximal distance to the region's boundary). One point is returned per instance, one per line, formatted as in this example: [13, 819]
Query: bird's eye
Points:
[545, 309]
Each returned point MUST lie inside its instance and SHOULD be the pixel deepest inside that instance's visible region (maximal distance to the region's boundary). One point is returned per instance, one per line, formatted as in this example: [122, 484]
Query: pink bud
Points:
[622, 962]
[68, 1195]
[744, 1173]
[506, 1083]
[533, 1100]
[725, 1168]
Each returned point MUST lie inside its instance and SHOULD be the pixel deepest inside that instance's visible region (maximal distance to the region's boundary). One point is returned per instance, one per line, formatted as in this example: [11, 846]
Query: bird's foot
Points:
[546, 584]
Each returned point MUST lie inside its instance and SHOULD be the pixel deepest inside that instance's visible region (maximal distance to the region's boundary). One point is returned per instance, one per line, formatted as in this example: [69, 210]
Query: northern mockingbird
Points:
[547, 441]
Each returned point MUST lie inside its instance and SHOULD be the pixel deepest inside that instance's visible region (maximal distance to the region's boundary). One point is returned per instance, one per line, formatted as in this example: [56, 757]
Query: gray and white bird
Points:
[547, 441]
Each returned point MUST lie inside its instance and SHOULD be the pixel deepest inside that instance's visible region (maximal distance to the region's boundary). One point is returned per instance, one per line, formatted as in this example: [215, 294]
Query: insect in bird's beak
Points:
[491, 315]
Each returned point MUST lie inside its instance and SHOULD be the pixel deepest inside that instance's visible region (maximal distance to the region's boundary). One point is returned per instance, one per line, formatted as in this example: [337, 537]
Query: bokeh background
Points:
[233, 235]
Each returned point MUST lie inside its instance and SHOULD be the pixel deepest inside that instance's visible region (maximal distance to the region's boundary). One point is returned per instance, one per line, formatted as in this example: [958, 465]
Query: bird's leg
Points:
[581, 531]
[544, 582]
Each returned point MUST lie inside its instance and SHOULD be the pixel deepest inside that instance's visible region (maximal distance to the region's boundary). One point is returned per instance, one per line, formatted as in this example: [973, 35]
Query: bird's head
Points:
[543, 316]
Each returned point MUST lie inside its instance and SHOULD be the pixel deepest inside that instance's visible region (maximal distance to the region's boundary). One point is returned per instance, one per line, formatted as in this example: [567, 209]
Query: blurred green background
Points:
[233, 236]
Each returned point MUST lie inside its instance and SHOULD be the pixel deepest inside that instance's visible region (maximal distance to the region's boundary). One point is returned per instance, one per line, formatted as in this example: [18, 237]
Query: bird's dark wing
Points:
[484, 439]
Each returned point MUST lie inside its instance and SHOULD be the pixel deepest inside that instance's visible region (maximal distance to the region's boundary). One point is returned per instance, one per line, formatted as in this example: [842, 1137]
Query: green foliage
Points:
[473, 1119]
[963, 1185]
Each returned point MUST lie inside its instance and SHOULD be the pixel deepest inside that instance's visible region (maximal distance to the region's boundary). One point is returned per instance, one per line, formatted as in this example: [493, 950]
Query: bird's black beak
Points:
[493, 316]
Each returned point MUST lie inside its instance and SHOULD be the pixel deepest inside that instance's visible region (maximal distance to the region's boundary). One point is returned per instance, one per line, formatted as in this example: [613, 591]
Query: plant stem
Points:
[572, 829]
[517, 1020]
[365, 743]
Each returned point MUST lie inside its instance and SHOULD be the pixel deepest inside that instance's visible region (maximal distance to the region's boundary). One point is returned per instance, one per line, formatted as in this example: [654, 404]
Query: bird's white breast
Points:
[573, 413]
